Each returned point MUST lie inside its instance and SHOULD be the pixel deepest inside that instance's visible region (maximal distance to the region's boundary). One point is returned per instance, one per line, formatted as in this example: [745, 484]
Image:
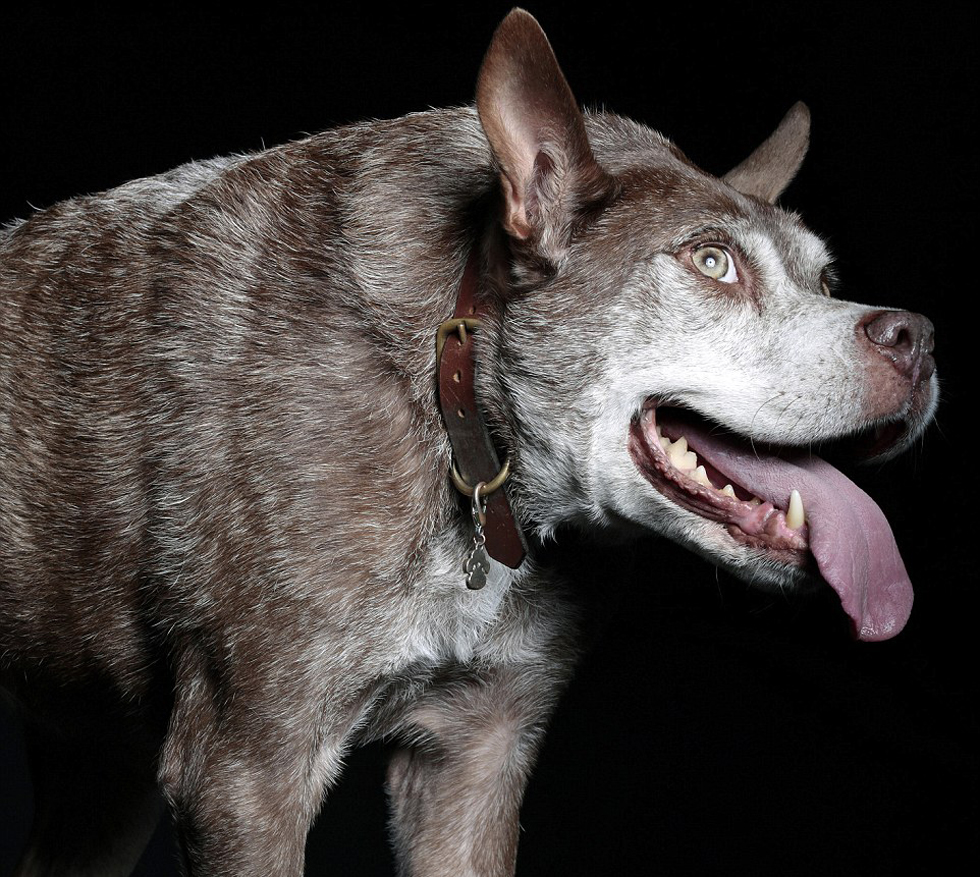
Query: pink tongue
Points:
[849, 535]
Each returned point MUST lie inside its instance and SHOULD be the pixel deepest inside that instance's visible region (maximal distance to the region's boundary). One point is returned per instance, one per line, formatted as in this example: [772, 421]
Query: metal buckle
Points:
[458, 325]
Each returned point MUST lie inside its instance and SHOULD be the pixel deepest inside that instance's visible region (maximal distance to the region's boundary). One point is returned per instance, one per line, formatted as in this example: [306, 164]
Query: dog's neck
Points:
[475, 458]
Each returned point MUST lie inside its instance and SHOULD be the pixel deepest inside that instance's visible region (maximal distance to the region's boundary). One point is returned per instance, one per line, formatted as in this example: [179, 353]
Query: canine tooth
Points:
[701, 476]
[794, 516]
[665, 443]
[755, 501]
[728, 490]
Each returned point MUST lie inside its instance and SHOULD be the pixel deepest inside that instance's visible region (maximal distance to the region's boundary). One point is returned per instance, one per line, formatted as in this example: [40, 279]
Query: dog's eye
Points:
[716, 263]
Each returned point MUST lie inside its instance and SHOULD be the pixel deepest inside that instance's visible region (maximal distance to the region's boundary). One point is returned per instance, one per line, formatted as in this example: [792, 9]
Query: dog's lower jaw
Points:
[763, 568]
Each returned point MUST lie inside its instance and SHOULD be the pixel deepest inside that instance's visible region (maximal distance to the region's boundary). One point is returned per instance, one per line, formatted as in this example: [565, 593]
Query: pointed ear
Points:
[769, 170]
[548, 173]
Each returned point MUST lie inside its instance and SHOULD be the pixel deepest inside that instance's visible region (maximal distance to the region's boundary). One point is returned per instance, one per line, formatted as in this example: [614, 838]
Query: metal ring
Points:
[488, 488]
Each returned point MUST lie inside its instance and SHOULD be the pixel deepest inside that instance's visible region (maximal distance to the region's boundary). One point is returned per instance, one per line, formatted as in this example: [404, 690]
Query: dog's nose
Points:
[904, 338]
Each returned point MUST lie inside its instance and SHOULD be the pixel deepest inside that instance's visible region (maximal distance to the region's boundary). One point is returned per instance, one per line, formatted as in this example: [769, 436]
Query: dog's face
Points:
[687, 325]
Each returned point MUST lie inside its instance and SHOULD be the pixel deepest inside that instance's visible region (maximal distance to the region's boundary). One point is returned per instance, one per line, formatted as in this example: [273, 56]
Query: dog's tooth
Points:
[728, 490]
[665, 443]
[794, 516]
[755, 501]
[701, 476]
[682, 458]
[686, 462]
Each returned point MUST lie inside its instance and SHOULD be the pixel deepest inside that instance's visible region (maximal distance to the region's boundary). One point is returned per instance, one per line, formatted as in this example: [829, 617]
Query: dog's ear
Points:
[767, 172]
[548, 173]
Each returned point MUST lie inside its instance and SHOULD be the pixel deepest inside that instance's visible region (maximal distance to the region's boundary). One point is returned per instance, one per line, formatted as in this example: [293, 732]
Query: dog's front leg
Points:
[456, 788]
[242, 771]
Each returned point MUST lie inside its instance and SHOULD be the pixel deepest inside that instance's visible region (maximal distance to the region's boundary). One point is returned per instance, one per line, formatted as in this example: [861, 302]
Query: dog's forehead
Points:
[680, 201]
[657, 179]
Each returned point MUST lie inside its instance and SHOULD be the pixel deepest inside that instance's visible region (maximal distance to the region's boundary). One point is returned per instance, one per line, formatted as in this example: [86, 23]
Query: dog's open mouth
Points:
[787, 503]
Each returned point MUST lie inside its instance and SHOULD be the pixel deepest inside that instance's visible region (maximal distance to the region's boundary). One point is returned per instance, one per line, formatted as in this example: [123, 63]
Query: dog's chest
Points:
[449, 621]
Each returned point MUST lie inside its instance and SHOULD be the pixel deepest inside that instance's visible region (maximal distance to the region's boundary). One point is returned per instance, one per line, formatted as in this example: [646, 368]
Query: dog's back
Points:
[239, 335]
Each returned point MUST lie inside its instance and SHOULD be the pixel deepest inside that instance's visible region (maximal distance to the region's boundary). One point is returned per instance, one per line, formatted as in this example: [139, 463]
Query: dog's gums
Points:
[672, 467]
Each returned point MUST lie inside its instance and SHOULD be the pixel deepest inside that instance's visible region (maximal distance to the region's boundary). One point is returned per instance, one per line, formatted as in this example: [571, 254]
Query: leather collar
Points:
[474, 455]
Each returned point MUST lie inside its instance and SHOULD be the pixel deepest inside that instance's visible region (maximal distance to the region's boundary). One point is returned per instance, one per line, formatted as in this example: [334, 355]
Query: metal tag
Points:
[477, 565]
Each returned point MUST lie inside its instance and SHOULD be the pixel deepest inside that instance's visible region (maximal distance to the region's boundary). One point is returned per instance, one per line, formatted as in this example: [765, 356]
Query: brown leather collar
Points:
[475, 457]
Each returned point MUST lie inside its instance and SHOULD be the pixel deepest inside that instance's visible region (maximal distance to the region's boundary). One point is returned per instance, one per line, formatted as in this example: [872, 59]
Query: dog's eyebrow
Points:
[714, 232]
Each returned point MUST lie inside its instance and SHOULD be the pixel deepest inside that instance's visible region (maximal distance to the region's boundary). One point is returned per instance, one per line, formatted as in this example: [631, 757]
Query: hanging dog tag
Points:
[477, 565]
[477, 568]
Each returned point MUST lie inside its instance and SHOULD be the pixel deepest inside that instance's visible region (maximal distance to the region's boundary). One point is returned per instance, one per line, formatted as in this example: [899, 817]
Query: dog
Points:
[282, 436]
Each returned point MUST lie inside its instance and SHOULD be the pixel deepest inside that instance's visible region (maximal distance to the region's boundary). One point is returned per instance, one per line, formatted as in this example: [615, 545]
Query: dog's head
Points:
[670, 351]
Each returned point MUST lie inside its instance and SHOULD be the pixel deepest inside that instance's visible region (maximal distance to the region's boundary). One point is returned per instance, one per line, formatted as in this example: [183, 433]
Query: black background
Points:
[710, 729]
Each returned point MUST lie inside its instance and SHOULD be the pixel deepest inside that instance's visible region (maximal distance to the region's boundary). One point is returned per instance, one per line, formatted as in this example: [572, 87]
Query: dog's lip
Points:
[748, 519]
[865, 445]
